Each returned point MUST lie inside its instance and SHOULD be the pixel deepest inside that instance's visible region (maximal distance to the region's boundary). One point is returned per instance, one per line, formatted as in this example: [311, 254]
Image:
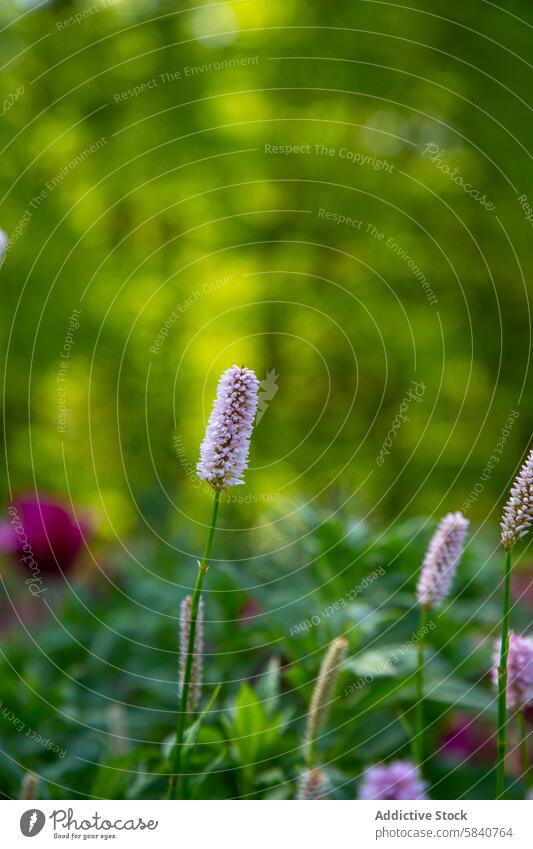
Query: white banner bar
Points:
[264, 825]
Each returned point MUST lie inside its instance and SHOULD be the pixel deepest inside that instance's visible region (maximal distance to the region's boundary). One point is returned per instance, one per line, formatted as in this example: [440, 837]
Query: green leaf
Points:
[124, 777]
[462, 694]
[389, 661]
[191, 733]
[213, 764]
[248, 723]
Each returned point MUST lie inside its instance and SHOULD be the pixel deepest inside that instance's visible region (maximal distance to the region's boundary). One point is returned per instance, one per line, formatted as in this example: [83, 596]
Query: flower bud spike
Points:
[195, 685]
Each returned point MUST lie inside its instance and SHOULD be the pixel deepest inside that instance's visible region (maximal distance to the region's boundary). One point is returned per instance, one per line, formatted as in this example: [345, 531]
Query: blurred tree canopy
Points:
[331, 192]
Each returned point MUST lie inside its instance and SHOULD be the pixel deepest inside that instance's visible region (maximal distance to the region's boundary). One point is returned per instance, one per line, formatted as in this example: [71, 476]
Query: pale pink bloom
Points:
[442, 557]
[518, 512]
[224, 451]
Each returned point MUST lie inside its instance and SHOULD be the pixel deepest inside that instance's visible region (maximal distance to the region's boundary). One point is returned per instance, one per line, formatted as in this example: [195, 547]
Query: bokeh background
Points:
[336, 195]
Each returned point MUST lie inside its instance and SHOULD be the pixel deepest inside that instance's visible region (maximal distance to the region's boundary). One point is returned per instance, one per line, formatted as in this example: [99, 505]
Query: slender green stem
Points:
[502, 681]
[418, 742]
[524, 748]
[176, 756]
[408, 728]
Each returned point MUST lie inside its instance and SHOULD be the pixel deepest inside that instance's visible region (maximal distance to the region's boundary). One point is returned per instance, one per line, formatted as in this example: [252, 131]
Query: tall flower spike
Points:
[518, 512]
[313, 784]
[442, 557]
[29, 786]
[519, 671]
[397, 780]
[324, 687]
[195, 686]
[224, 451]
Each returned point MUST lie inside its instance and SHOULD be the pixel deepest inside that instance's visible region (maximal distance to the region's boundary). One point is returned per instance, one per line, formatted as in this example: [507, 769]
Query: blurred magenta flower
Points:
[467, 739]
[42, 535]
[249, 611]
[522, 586]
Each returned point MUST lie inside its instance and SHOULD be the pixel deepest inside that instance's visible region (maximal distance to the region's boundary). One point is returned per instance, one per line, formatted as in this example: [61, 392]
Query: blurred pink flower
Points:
[396, 780]
[250, 610]
[42, 534]
[522, 585]
[519, 671]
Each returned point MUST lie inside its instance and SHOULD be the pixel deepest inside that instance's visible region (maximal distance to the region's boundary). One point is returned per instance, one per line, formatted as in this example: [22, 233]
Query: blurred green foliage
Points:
[180, 210]
[146, 182]
[92, 669]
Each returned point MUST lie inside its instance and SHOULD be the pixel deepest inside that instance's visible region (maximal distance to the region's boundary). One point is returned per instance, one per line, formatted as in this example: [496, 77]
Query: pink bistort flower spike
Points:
[442, 557]
[313, 784]
[397, 780]
[224, 451]
[195, 683]
[29, 786]
[518, 512]
[323, 691]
